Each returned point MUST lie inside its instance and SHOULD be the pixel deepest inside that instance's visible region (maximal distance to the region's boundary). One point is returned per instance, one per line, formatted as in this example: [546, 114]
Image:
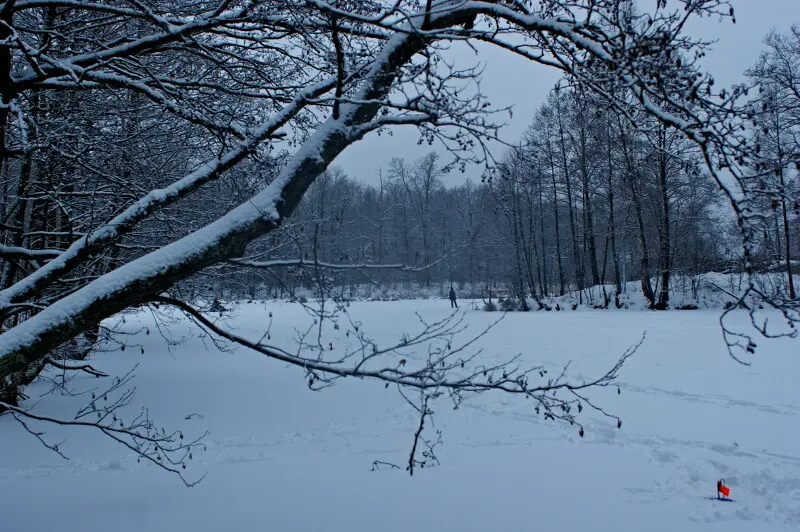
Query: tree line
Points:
[584, 199]
[587, 197]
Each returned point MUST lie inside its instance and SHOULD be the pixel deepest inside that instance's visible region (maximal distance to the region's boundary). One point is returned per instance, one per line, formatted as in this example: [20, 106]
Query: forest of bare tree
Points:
[582, 200]
[179, 156]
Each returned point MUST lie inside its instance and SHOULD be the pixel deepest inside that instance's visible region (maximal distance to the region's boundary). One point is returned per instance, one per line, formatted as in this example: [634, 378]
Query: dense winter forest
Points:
[584, 199]
[172, 167]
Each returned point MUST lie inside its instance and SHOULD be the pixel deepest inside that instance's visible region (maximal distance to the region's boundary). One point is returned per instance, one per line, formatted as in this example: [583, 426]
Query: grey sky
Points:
[513, 81]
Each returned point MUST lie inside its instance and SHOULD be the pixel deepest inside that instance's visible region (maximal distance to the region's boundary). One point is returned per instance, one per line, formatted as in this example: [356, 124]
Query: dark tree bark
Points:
[556, 218]
[664, 249]
[784, 212]
[579, 281]
[788, 240]
[544, 279]
[589, 235]
[612, 225]
[632, 179]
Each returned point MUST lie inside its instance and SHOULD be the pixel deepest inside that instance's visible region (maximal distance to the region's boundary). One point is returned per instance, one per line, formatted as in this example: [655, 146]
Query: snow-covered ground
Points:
[281, 457]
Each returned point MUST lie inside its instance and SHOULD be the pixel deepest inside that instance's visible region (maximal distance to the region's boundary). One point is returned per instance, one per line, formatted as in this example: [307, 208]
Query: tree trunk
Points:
[559, 261]
[519, 253]
[21, 219]
[664, 251]
[545, 291]
[587, 201]
[786, 232]
[6, 95]
[786, 236]
[612, 225]
[572, 228]
[644, 262]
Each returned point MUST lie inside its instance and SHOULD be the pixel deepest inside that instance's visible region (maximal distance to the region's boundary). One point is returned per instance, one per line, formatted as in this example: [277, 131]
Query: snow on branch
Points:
[322, 265]
[106, 234]
[369, 65]
[15, 252]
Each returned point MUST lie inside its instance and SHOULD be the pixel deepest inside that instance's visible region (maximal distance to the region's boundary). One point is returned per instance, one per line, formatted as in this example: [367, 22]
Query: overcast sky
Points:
[509, 80]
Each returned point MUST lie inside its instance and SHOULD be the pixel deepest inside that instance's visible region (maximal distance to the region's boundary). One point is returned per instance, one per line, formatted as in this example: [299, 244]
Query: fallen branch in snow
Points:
[321, 265]
[739, 300]
[377, 463]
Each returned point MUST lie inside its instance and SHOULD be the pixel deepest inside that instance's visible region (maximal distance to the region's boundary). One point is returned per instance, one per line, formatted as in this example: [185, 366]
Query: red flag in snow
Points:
[723, 489]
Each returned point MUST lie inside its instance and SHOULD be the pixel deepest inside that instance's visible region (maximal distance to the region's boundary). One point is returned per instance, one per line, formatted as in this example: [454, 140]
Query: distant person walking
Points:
[453, 303]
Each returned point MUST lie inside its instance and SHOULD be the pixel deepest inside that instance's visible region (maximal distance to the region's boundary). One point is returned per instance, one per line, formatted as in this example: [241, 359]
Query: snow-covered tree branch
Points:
[117, 118]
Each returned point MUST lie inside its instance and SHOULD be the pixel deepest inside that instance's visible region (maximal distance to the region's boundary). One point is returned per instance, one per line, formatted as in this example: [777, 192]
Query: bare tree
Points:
[311, 77]
[777, 119]
[632, 177]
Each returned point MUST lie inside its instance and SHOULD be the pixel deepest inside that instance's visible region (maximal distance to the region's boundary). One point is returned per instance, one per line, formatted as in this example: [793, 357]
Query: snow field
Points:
[281, 457]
